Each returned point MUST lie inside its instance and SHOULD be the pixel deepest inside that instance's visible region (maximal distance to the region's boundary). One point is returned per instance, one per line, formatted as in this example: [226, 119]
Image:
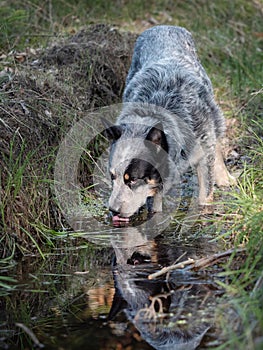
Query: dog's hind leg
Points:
[222, 176]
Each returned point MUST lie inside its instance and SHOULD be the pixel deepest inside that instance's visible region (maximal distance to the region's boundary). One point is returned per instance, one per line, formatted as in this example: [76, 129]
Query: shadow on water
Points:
[101, 298]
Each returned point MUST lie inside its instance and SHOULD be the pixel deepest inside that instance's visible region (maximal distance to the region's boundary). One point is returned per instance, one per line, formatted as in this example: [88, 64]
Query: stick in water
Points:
[196, 264]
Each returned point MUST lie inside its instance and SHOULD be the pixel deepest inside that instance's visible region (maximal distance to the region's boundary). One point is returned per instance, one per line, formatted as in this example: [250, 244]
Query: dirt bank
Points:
[40, 97]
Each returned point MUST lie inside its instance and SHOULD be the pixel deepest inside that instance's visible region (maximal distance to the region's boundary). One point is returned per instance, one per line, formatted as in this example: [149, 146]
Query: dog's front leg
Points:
[222, 176]
[205, 173]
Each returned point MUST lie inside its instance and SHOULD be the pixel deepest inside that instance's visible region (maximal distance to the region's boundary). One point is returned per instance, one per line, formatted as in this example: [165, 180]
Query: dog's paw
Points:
[225, 180]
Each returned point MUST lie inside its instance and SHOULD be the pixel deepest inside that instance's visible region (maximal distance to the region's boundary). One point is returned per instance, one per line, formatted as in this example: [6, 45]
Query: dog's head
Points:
[137, 161]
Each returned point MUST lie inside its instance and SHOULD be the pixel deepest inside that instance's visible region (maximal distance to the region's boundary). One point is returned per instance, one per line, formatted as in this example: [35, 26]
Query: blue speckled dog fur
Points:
[168, 100]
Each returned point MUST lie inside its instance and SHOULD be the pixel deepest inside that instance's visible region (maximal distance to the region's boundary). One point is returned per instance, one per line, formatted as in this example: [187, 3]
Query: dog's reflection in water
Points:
[170, 313]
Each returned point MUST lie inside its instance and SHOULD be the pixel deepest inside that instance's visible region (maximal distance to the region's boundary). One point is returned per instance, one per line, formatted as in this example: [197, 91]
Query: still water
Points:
[90, 296]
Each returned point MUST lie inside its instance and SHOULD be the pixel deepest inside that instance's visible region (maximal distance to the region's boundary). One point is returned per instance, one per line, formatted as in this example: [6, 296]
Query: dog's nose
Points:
[114, 212]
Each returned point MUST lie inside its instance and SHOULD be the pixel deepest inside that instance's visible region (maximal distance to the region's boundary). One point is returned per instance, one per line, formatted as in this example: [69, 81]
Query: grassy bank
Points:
[42, 94]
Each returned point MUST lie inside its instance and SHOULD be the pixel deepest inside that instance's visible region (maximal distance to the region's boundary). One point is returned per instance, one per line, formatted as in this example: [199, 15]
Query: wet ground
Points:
[91, 296]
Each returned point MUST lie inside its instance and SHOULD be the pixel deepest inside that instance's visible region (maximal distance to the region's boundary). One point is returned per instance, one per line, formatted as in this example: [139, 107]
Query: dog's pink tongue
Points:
[117, 218]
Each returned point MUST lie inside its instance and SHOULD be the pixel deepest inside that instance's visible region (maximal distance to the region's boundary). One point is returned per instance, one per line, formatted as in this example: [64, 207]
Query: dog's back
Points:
[165, 71]
[163, 42]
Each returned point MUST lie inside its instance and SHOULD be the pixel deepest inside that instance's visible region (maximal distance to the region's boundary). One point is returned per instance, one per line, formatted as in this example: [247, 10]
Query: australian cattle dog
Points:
[169, 118]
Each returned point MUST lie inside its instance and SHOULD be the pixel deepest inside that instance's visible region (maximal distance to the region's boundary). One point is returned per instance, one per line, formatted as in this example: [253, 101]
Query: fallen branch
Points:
[196, 264]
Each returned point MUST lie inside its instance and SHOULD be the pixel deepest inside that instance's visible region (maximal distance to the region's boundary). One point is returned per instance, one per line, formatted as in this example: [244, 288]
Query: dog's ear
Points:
[111, 132]
[157, 136]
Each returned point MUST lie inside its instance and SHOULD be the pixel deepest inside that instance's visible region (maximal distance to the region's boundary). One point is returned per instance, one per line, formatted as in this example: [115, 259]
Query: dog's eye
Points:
[112, 176]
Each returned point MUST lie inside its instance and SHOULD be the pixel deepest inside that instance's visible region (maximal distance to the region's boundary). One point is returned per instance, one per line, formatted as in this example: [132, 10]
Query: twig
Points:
[196, 264]
[210, 260]
[149, 312]
[176, 261]
[81, 272]
[164, 270]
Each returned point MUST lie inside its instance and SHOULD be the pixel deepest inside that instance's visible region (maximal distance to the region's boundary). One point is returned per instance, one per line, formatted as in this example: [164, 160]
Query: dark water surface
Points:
[99, 297]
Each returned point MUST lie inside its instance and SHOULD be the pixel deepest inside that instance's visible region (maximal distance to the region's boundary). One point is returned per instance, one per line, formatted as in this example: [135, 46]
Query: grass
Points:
[20, 179]
[229, 41]
[244, 210]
